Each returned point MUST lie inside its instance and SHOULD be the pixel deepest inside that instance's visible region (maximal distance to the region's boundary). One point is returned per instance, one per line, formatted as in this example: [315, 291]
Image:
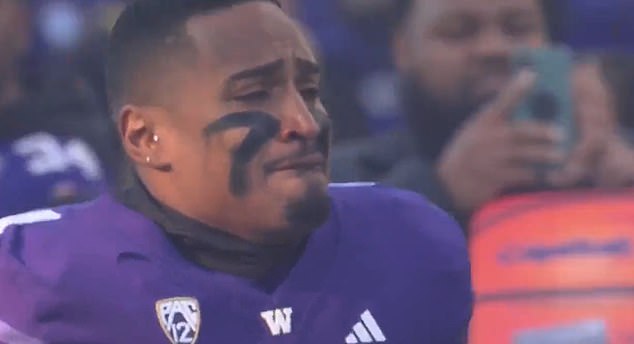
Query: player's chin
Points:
[308, 203]
[299, 179]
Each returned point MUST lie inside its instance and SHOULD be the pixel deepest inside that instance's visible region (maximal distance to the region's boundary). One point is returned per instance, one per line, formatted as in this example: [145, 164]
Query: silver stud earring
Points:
[155, 138]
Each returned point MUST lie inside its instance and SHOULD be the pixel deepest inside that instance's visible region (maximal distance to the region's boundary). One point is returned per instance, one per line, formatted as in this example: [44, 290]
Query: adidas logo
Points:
[366, 331]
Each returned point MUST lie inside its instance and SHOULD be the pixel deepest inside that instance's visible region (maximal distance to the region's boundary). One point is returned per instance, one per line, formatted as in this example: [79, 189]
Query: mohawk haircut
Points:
[146, 38]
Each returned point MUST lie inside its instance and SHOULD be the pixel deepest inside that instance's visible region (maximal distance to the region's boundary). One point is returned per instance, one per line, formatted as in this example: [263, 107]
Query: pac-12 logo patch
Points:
[179, 318]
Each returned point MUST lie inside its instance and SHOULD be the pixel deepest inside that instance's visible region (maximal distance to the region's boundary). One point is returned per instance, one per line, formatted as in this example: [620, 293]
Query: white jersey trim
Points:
[34, 216]
[10, 335]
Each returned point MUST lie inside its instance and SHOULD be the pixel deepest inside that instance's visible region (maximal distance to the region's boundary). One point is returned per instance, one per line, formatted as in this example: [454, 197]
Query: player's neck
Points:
[208, 246]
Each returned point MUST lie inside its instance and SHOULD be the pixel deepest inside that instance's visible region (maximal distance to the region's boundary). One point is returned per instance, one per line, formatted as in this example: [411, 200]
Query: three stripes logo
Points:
[366, 331]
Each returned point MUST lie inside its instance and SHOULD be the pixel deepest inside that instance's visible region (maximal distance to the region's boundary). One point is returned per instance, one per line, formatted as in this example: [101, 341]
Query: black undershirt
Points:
[210, 247]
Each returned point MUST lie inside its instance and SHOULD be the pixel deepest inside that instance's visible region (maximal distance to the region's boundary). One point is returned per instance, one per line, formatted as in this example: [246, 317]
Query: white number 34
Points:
[45, 154]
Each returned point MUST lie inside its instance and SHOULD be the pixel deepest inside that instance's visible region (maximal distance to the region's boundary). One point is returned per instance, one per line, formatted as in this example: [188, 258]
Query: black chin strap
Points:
[209, 247]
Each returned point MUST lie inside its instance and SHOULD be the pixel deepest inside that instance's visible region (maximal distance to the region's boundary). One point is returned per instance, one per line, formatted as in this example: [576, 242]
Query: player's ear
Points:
[138, 131]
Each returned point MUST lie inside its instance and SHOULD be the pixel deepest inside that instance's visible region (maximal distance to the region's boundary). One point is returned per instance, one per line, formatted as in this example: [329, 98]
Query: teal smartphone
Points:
[550, 100]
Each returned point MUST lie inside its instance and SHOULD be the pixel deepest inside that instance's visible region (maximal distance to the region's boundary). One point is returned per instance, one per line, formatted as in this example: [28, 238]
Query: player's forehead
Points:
[248, 35]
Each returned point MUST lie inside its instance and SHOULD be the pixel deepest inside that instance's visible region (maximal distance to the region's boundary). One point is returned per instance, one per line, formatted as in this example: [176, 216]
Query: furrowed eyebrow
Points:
[261, 71]
[306, 67]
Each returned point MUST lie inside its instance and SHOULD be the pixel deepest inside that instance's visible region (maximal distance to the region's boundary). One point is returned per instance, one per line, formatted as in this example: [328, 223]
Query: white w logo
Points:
[278, 320]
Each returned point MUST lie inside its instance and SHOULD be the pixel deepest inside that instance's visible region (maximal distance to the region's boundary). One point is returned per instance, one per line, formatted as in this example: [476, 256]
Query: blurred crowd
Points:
[422, 94]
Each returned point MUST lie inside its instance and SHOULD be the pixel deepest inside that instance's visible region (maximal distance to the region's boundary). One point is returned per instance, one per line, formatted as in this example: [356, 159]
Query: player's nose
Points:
[298, 121]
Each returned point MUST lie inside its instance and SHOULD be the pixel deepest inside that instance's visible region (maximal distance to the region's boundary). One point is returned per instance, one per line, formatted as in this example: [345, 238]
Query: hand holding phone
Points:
[491, 154]
[550, 100]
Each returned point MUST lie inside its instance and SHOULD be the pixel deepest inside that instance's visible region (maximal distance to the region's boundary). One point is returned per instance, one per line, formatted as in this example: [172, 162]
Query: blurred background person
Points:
[460, 147]
[548, 249]
[54, 137]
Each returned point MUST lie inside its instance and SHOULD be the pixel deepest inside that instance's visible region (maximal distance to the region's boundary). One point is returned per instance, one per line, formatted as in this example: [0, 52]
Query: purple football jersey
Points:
[387, 267]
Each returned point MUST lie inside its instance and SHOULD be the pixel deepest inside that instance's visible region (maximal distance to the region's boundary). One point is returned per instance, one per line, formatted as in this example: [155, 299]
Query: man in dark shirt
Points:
[461, 149]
